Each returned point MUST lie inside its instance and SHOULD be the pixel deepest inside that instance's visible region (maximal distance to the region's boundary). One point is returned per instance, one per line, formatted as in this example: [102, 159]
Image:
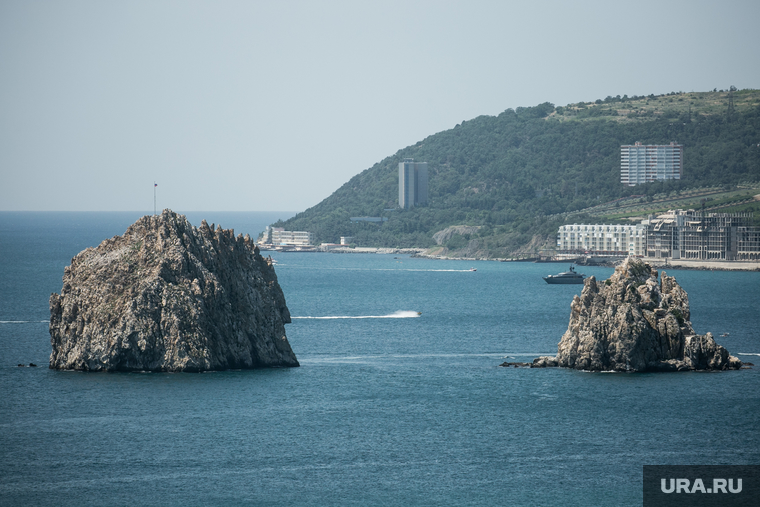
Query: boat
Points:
[570, 276]
[473, 269]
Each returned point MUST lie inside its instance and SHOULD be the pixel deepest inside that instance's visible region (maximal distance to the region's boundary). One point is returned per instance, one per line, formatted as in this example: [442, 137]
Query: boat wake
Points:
[747, 354]
[389, 269]
[515, 355]
[441, 270]
[395, 315]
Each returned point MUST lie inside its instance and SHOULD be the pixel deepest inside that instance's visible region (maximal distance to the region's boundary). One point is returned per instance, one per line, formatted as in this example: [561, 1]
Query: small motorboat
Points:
[473, 269]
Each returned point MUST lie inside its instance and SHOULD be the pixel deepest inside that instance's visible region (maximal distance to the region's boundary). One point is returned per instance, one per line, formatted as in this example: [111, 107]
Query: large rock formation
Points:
[630, 322]
[167, 296]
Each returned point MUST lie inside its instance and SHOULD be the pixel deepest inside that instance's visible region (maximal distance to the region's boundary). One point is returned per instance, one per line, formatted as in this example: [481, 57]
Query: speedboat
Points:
[570, 276]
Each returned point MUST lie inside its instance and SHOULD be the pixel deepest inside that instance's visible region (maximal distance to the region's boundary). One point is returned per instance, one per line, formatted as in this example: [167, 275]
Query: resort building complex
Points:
[677, 234]
[709, 236]
[412, 183]
[277, 236]
[602, 239]
[652, 162]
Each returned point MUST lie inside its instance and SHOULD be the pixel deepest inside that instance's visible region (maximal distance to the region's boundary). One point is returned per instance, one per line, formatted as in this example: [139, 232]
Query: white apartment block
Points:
[602, 239]
[291, 238]
[645, 163]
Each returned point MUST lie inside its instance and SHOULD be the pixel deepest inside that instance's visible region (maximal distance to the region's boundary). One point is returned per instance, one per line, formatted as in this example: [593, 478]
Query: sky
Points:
[271, 106]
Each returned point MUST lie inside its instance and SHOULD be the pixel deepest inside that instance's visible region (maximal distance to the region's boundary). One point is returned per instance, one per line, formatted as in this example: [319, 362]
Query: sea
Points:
[399, 399]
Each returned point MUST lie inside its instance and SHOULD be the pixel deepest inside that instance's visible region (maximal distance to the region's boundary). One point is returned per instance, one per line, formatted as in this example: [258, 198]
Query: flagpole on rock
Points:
[154, 197]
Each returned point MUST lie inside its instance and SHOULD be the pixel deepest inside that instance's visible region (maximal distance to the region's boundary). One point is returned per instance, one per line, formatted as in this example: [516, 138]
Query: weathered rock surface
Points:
[630, 322]
[446, 234]
[167, 296]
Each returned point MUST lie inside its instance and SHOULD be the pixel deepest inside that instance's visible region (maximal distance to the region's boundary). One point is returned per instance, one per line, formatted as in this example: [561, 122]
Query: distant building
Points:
[346, 240]
[689, 234]
[677, 234]
[602, 239]
[281, 237]
[412, 183]
[748, 243]
[653, 162]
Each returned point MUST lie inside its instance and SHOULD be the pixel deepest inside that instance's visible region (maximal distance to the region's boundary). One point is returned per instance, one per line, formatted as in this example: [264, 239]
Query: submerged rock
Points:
[167, 296]
[507, 364]
[630, 322]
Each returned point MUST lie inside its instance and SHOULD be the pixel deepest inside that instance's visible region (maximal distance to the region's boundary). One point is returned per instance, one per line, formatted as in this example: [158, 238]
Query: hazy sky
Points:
[254, 106]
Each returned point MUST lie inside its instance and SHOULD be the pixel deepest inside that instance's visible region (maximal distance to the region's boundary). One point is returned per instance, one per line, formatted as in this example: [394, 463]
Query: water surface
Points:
[388, 408]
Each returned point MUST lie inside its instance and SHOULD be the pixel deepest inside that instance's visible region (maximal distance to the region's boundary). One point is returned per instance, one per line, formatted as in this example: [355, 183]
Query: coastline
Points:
[703, 265]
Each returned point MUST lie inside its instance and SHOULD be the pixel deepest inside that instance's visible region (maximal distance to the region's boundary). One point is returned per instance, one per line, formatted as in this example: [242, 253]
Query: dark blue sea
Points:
[387, 408]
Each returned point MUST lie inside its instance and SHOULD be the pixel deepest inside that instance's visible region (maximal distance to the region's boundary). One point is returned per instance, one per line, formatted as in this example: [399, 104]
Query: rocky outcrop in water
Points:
[167, 296]
[632, 322]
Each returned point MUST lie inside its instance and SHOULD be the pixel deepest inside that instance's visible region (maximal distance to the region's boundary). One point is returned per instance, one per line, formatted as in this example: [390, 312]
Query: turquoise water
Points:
[388, 408]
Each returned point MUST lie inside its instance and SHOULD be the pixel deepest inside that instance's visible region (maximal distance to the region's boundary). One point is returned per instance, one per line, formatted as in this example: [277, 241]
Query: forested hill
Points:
[516, 174]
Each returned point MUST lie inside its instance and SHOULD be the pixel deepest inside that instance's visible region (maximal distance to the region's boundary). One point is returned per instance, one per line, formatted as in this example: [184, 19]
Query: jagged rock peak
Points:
[632, 322]
[167, 296]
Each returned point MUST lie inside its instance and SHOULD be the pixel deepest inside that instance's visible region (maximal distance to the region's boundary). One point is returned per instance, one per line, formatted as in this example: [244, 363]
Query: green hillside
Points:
[521, 174]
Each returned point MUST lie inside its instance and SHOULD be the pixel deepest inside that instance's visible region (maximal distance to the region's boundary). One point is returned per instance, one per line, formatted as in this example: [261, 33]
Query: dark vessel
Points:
[566, 277]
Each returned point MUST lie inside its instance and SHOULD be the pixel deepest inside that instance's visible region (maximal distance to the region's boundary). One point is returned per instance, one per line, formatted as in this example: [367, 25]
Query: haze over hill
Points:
[521, 174]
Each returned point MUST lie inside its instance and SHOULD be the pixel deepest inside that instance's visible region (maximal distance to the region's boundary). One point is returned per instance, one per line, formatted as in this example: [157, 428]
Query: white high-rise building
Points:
[641, 163]
[412, 183]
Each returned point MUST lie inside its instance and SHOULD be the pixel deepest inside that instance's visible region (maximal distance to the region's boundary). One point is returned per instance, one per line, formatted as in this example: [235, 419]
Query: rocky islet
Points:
[167, 296]
[632, 322]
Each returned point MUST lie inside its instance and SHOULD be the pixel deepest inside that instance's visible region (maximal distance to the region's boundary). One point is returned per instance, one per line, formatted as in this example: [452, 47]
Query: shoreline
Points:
[704, 265]
[688, 264]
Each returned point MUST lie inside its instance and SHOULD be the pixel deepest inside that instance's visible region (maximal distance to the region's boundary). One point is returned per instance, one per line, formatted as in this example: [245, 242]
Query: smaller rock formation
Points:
[167, 296]
[507, 364]
[632, 322]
